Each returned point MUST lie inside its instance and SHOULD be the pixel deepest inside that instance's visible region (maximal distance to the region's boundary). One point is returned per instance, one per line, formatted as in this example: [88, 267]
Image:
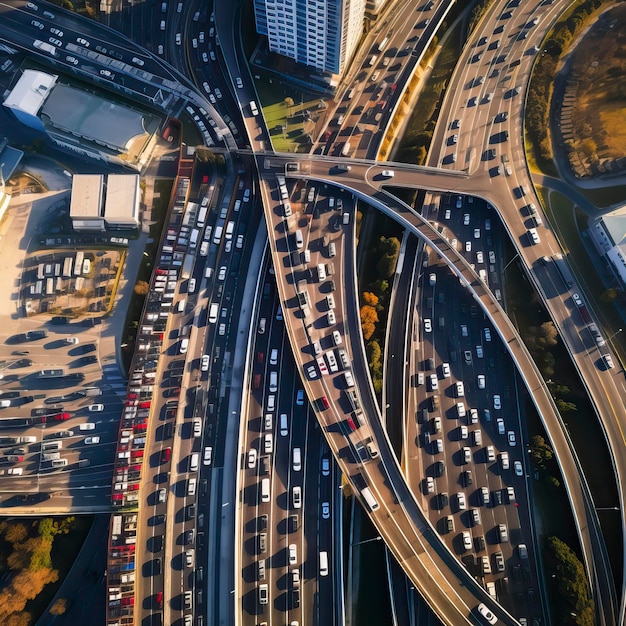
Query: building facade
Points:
[322, 34]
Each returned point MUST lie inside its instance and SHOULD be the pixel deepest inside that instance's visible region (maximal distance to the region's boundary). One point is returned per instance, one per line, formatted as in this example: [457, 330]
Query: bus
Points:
[369, 498]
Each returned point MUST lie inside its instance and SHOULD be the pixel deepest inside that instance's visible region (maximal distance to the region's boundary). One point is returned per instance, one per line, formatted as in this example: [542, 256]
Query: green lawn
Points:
[288, 129]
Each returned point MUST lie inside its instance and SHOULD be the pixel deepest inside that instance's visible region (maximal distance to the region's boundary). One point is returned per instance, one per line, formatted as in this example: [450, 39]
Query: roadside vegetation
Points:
[566, 30]
[377, 256]
[35, 554]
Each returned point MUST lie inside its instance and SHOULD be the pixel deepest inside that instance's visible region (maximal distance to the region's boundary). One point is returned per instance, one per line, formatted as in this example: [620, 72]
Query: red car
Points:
[205, 180]
[135, 468]
[161, 272]
[117, 497]
[351, 424]
[128, 601]
[144, 405]
[260, 357]
[324, 401]
[133, 487]
[136, 454]
[58, 417]
[166, 455]
[158, 598]
[139, 428]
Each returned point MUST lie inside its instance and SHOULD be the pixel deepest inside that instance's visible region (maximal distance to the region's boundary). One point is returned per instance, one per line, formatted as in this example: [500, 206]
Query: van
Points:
[59, 462]
[217, 235]
[265, 490]
[297, 460]
[193, 462]
[274, 356]
[348, 378]
[323, 563]
[273, 382]
[180, 307]
[485, 564]
[346, 218]
[332, 250]
[296, 497]
[261, 569]
[263, 594]
[369, 498]
[230, 228]
[213, 310]
[284, 431]
[191, 487]
[321, 272]
[263, 540]
[299, 239]
[268, 443]
[477, 437]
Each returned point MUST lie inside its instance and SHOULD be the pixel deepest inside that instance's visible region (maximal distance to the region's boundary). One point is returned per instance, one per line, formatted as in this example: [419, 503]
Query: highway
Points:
[481, 85]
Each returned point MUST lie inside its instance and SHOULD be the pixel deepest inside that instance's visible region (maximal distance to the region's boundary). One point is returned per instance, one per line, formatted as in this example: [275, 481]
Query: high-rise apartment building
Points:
[319, 33]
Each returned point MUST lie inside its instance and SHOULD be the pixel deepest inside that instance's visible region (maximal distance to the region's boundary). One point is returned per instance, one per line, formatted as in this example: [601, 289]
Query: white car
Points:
[479, 257]
[325, 510]
[468, 246]
[55, 42]
[434, 384]
[239, 243]
[432, 279]
[221, 275]
[251, 458]
[184, 344]
[96, 408]
[206, 87]
[72, 341]
[57, 32]
[72, 60]
[82, 42]
[204, 362]
[500, 426]
[90, 440]
[445, 370]
[481, 381]
[467, 540]
[430, 484]
[459, 202]
[106, 73]
[239, 82]
[519, 470]
[511, 439]
[497, 403]
[311, 372]
[178, 39]
[487, 334]
[461, 502]
[325, 466]
[464, 332]
[428, 325]
[466, 219]
[205, 57]
[208, 455]
[218, 92]
[387, 174]
[477, 233]
[188, 558]
[37, 24]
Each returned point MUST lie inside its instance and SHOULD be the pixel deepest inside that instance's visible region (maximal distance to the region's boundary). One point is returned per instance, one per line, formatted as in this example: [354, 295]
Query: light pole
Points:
[360, 543]
[617, 332]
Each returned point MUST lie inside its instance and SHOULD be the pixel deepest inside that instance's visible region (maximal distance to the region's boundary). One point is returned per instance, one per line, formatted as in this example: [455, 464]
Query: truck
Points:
[345, 151]
[187, 266]
[46, 47]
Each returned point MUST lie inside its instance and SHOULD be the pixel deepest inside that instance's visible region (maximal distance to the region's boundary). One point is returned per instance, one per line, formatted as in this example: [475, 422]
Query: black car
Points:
[437, 469]
[466, 478]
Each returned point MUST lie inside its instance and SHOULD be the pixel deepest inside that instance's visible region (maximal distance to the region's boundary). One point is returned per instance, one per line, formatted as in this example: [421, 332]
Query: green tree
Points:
[541, 452]
[609, 295]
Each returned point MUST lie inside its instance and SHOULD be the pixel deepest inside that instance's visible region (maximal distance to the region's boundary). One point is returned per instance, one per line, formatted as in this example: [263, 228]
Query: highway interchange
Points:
[490, 80]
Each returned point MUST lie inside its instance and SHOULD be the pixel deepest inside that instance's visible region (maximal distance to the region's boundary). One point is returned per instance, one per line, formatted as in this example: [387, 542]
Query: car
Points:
[208, 455]
[519, 470]
[479, 257]
[57, 32]
[428, 325]
[239, 82]
[252, 455]
[205, 57]
[464, 331]
[300, 397]
[311, 372]
[55, 42]
[445, 370]
[96, 408]
[325, 510]
[188, 558]
[387, 173]
[577, 299]
[72, 60]
[468, 246]
[486, 614]
[497, 403]
[499, 559]
[487, 332]
[479, 352]
[466, 219]
[184, 344]
[477, 233]
[218, 93]
[91, 440]
[37, 24]
[467, 540]
[239, 243]
[473, 416]
[221, 275]
[178, 39]
[511, 438]
[432, 279]
[500, 426]
[461, 501]
[82, 42]
[204, 362]
[107, 73]
[480, 379]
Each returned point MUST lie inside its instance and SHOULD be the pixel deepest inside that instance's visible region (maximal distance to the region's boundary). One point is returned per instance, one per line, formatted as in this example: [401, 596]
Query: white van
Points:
[299, 239]
[180, 307]
[217, 235]
[274, 356]
[297, 460]
[191, 487]
[323, 563]
[193, 462]
[265, 490]
[230, 228]
[321, 272]
[284, 430]
[213, 310]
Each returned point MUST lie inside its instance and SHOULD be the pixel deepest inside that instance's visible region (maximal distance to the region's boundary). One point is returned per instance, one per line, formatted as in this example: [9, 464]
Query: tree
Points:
[540, 452]
[59, 607]
[369, 317]
[370, 298]
[14, 532]
[288, 101]
[563, 406]
[609, 295]
[142, 288]
[546, 335]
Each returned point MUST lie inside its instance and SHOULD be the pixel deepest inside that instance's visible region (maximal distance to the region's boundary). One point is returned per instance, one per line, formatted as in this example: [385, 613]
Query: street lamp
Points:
[617, 332]
[359, 543]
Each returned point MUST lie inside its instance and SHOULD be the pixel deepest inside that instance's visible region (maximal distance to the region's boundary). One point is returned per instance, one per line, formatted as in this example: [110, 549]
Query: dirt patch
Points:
[592, 120]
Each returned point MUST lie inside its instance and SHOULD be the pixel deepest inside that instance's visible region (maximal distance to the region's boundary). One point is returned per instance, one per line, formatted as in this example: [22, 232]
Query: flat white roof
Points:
[31, 91]
[122, 198]
[86, 201]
